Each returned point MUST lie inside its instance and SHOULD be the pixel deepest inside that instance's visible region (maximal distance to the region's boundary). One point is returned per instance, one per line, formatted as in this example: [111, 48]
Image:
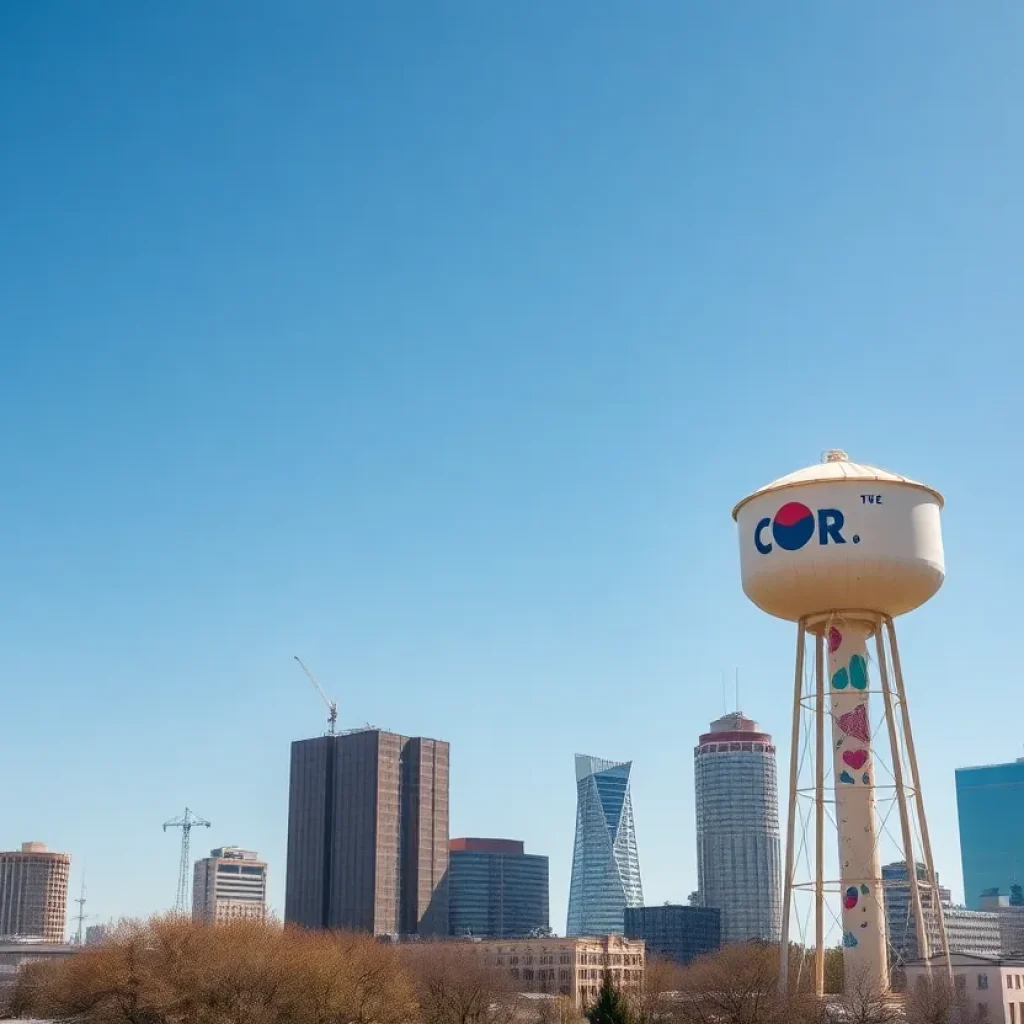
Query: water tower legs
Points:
[841, 672]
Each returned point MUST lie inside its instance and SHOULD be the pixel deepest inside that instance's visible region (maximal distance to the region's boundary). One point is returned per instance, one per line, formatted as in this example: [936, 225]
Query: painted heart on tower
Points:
[855, 723]
[856, 759]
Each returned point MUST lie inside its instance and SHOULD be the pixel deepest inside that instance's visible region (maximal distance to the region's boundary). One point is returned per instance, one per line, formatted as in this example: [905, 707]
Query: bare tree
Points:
[658, 998]
[862, 1002]
[454, 985]
[939, 1000]
[558, 1010]
[171, 971]
[737, 985]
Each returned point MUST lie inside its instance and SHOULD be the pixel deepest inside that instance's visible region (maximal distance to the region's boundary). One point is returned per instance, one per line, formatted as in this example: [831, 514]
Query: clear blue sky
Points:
[434, 342]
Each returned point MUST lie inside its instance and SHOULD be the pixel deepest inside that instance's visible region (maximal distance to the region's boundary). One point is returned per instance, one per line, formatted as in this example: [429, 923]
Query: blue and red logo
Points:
[795, 524]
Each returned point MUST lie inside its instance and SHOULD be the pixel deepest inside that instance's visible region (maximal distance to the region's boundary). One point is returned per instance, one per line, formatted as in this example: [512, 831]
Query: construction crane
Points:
[332, 707]
[186, 823]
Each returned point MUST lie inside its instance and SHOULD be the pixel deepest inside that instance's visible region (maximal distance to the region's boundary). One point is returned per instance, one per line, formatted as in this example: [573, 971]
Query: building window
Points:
[515, 973]
[982, 981]
[1018, 980]
[1013, 1014]
[527, 974]
[1009, 981]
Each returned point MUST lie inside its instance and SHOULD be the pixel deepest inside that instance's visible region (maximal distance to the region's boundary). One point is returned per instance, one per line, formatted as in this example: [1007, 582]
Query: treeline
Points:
[171, 971]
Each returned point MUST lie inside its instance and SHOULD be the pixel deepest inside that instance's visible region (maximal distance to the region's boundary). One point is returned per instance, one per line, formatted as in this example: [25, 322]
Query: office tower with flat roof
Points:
[34, 893]
[901, 927]
[737, 802]
[676, 932]
[368, 834]
[990, 806]
[496, 890]
[229, 885]
[605, 865]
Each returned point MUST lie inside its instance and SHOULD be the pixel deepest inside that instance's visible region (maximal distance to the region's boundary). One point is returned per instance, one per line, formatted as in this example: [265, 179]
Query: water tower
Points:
[841, 549]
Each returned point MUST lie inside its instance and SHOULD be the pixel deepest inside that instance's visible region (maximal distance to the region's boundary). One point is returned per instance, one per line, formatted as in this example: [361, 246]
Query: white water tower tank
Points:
[840, 536]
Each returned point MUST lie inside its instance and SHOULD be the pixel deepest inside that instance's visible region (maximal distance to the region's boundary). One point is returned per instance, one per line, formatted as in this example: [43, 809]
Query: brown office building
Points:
[368, 834]
[34, 893]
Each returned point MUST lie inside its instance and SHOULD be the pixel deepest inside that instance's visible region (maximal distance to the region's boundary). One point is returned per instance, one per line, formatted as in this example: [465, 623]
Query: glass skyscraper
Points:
[738, 861]
[605, 865]
[678, 933]
[495, 889]
[990, 802]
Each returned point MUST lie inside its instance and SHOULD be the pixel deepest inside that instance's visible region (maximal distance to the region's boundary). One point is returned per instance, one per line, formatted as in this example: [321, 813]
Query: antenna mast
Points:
[186, 823]
[332, 707]
[81, 915]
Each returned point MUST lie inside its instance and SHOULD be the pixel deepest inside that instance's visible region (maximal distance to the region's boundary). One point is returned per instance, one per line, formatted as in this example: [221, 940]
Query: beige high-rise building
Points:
[368, 834]
[229, 885]
[34, 893]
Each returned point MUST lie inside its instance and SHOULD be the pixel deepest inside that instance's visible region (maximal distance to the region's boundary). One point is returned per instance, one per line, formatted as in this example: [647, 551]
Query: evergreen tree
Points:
[611, 1006]
[1016, 896]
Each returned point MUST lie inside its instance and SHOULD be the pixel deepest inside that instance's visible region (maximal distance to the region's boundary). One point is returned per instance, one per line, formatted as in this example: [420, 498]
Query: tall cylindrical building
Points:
[738, 860]
[34, 893]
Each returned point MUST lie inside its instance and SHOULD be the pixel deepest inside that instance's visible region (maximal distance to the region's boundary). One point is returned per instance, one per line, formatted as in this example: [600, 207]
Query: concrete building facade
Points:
[1011, 921]
[967, 931]
[739, 868]
[605, 864]
[368, 834]
[34, 893]
[229, 885]
[496, 889]
[676, 932]
[571, 967]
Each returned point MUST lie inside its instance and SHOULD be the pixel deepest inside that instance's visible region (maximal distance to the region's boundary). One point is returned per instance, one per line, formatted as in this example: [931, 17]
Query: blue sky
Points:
[434, 342]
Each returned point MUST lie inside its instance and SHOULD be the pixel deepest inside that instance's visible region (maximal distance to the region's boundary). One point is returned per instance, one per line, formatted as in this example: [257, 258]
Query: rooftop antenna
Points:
[186, 823]
[332, 707]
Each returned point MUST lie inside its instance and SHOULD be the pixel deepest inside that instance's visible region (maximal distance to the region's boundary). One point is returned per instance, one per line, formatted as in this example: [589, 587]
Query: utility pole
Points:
[186, 823]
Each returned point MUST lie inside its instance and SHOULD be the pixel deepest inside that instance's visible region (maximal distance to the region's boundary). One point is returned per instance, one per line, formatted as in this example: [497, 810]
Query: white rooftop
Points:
[835, 466]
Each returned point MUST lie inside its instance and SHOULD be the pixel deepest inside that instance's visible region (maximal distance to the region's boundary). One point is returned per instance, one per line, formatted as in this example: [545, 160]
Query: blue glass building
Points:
[990, 801]
[605, 865]
[675, 932]
[496, 890]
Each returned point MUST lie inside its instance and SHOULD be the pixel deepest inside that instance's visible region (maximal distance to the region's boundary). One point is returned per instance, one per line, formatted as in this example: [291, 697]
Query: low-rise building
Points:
[991, 986]
[13, 955]
[676, 932]
[95, 933]
[972, 931]
[572, 967]
[967, 931]
[1011, 921]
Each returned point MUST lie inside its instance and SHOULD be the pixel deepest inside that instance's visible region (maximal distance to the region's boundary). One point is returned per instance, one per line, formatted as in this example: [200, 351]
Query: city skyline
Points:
[436, 346]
